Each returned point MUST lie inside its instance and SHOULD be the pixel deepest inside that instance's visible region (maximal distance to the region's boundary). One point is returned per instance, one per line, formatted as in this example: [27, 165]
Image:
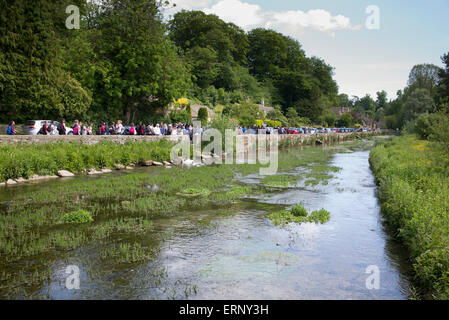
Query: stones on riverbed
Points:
[106, 170]
[166, 163]
[2, 184]
[65, 174]
[20, 180]
[119, 167]
[11, 181]
[129, 167]
[158, 164]
[92, 172]
[187, 162]
[148, 163]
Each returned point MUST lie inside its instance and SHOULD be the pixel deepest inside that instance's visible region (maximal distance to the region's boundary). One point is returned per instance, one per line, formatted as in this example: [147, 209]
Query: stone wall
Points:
[305, 139]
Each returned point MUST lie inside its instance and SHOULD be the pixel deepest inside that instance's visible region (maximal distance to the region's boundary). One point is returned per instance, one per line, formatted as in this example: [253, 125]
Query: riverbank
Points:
[414, 192]
[25, 158]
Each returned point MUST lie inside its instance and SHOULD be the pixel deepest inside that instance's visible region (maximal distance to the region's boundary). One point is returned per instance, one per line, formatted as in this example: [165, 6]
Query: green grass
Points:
[298, 214]
[414, 192]
[26, 160]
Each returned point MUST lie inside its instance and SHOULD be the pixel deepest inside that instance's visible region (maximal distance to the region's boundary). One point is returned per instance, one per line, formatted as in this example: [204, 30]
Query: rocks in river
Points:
[206, 159]
[129, 167]
[148, 163]
[11, 181]
[106, 170]
[2, 184]
[159, 164]
[119, 166]
[188, 162]
[20, 180]
[177, 161]
[36, 177]
[93, 172]
[166, 163]
[65, 173]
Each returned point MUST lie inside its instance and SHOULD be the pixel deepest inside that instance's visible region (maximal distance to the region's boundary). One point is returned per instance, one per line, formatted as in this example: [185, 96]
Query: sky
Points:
[367, 57]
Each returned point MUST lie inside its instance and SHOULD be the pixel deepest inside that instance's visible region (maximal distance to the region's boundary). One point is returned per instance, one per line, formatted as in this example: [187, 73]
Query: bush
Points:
[299, 211]
[77, 217]
[203, 115]
[427, 124]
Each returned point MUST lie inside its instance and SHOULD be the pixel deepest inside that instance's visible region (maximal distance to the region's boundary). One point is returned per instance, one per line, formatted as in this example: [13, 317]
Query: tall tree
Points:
[142, 71]
[443, 85]
[419, 102]
[424, 76]
[33, 82]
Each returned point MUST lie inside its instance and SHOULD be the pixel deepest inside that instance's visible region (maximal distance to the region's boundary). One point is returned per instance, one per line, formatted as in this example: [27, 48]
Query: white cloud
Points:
[292, 22]
[242, 14]
[185, 5]
[249, 16]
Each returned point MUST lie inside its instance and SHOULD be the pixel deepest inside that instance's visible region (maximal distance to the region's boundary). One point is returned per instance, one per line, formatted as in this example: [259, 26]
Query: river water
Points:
[243, 256]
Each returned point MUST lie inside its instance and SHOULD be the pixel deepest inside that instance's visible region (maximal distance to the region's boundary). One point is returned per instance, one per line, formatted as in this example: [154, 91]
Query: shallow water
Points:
[203, 255]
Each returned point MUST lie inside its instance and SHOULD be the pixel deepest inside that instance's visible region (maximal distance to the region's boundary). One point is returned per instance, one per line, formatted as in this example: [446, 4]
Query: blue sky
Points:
[365, 61]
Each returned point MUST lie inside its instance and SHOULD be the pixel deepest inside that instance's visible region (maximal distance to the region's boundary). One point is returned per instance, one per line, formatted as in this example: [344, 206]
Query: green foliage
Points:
[180, 116]
[77, 217]
[203, 115]
[320, 216]
[346, 120]
[33, 82]
[427, 124]
[195, 192]
[424, 76]
[419, 102]
[414, 188]
[299, 211]
[298, 214]
[46, 159]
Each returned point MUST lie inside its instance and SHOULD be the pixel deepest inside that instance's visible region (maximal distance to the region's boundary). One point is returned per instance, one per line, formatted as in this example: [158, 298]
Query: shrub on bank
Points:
[24, 160]
[414, 192]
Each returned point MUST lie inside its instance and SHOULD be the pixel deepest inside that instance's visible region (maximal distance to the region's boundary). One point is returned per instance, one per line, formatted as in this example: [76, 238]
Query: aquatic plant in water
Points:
[80, 216]
[298, 214]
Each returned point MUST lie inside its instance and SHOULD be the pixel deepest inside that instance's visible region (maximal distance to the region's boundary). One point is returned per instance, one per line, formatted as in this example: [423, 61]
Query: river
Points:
[244, 256]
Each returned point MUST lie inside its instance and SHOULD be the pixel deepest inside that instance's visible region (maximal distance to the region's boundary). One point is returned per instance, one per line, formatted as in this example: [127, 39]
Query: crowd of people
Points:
[117, 128]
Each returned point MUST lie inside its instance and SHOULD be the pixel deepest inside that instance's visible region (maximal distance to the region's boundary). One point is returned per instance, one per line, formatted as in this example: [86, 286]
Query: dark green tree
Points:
[141, 69]
[203, 115]
[33, 82]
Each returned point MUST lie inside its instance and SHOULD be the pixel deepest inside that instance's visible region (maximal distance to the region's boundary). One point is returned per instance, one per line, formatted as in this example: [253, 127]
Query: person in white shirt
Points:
[53, 129]
[157, 130]
[120, 127]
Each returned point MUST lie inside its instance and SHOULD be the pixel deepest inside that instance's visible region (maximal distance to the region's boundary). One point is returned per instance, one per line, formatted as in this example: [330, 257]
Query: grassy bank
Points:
[24, 161]
[414, 192]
